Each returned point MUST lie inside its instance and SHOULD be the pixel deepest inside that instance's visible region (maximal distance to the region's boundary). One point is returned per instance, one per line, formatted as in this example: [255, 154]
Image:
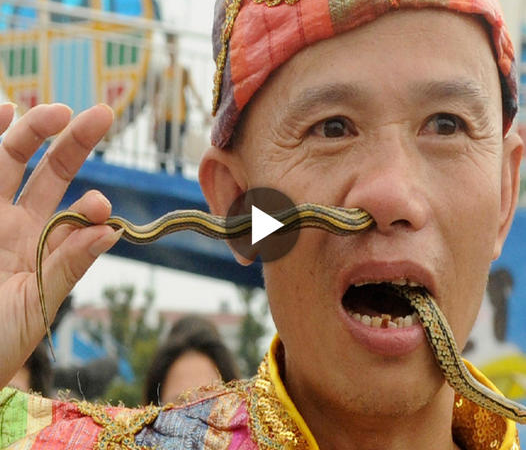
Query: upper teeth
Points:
[398, 282]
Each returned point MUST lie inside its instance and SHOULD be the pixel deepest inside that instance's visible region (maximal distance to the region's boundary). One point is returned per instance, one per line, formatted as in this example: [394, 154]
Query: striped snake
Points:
[336, 220]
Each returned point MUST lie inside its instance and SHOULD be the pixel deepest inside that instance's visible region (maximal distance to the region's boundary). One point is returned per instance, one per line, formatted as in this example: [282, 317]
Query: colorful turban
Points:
[254, 37]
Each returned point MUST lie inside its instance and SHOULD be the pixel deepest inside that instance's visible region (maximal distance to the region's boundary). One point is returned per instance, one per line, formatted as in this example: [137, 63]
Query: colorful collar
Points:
[276, 423]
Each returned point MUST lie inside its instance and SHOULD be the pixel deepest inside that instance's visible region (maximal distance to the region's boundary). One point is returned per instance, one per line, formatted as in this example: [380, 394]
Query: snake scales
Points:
[335, 220]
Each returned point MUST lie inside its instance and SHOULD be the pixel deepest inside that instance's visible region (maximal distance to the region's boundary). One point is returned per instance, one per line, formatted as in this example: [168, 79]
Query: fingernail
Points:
[107, 107]
[106, 242]
[14, 105]
[103, 199]
[64, 106]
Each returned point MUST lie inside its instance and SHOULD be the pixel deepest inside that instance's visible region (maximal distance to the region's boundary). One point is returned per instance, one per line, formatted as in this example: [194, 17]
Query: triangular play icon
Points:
[263, 224]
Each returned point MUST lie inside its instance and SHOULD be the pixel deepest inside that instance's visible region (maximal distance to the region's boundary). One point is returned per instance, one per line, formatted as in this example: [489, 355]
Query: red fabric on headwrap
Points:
[264, 37]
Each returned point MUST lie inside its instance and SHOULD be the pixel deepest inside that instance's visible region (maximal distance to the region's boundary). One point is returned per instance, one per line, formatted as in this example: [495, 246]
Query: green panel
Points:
[34, 60]
[13, 416]
[20, 61]
[11, 63]
[120, 54]
[4, 60]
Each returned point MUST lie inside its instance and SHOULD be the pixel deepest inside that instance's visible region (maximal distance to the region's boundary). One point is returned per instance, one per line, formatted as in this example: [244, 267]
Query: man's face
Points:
[401, 117]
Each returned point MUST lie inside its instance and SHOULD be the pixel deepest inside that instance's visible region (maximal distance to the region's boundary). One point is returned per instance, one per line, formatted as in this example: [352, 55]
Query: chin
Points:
[382, 387]
[388, 398]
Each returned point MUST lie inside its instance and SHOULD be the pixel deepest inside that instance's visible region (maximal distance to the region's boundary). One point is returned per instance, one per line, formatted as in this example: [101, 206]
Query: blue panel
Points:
[126, 371]
[86, 351]
[6, 9]
[73, 86]
[26, 12]
[514, 260]
[75, 2]
[12, 16]
[127, 7]
[6, 12]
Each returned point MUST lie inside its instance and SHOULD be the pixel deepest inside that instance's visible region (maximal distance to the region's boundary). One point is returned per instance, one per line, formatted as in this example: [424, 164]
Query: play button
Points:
[265, 241]
[263, 224]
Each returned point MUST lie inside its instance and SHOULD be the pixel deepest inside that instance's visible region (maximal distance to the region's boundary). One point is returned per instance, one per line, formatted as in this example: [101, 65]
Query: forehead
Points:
[399, 50]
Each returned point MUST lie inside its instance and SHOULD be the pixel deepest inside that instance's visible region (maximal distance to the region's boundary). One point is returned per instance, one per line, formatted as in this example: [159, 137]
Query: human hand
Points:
[69, 251]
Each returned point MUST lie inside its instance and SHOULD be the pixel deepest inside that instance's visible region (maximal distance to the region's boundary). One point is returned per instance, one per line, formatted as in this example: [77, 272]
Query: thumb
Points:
[66, 265]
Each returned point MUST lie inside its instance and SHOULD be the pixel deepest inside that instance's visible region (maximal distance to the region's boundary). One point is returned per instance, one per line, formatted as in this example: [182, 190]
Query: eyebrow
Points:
[468, 91]
[464, 90]
[325, 95]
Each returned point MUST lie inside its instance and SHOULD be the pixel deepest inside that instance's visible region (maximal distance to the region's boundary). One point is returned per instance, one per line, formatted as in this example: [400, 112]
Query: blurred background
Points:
[151, 60]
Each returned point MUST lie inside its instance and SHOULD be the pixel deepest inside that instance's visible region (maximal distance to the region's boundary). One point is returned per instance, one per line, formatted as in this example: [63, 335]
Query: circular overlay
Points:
[276, 244]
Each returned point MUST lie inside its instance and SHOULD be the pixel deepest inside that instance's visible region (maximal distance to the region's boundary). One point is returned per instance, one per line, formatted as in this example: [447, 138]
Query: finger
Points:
[94, 205]
[23, 139]
[7, 112]
[64, 268]
[50, 179]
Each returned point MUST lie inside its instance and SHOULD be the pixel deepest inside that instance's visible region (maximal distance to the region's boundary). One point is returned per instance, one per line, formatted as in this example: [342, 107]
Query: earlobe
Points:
[510, 186]
[222, 181]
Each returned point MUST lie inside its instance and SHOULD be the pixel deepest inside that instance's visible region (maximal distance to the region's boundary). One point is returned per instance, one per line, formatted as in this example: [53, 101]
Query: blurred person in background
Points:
[171, 106]
[193, 355]
[36, 375]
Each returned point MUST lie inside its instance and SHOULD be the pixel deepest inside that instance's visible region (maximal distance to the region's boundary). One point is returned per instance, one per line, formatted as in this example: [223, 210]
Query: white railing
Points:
[71, 53]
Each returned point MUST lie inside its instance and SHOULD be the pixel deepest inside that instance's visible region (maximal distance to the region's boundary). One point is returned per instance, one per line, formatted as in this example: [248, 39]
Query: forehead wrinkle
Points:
[324, 95]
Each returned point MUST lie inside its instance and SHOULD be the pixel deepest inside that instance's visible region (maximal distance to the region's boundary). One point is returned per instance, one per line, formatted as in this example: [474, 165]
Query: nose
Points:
[391, 187]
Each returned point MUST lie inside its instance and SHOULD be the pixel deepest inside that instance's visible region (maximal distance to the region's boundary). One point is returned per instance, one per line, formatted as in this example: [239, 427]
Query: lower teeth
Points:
[385, 320]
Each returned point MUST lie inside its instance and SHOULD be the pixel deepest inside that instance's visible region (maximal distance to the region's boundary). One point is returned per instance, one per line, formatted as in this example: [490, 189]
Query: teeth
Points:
[398, 282]
[385, 321]
[376, 322]
[391, 325]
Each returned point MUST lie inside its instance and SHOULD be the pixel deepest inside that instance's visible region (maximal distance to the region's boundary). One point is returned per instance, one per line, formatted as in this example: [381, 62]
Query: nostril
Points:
[401, 223]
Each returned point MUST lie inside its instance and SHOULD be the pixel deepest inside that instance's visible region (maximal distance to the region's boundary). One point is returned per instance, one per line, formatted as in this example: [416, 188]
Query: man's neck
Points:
[428, 427]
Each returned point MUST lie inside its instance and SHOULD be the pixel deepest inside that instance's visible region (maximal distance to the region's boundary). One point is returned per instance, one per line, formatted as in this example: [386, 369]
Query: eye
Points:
[334, 127]
[444, 124]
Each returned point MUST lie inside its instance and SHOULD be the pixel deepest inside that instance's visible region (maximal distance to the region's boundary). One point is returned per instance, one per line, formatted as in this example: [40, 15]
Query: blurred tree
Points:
[251, 331]
[134, 341]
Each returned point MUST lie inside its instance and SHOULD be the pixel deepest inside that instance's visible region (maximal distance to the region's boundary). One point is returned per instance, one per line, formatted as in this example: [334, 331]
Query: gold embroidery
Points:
[276, 2]
[475, 428]
[119, 433]
[271, 427]
[232, 10]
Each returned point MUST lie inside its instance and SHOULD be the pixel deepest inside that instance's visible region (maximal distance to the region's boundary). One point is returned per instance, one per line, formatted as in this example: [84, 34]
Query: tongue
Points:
[375, 300]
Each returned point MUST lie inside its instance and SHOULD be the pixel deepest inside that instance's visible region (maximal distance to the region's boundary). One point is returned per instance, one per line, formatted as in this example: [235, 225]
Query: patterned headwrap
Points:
[254, 37]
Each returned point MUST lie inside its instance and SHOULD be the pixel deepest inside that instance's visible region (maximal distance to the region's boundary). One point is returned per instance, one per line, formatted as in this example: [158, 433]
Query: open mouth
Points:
[380, 305]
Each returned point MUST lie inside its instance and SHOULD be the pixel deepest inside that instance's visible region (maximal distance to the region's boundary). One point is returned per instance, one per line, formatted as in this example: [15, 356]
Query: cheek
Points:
[298, 286]
[472, 225]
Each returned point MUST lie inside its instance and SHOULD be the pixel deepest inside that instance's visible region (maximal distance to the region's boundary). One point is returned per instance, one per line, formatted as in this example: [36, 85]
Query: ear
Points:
[511, 161]
[222, 181]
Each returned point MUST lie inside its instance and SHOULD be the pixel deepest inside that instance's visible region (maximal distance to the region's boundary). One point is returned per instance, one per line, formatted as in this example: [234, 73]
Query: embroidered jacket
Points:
[245, 415]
